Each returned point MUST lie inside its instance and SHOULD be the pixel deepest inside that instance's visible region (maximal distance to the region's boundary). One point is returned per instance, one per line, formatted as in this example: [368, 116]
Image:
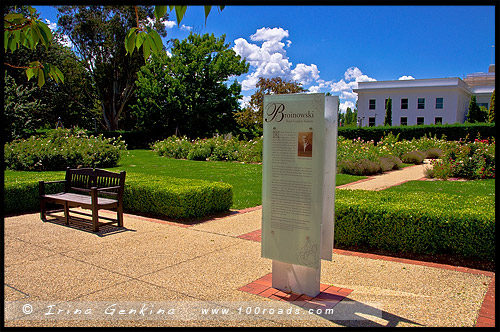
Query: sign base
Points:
[296, 278]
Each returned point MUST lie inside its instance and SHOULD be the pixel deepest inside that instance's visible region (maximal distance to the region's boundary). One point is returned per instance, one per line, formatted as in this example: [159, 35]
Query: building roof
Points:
[417, 83]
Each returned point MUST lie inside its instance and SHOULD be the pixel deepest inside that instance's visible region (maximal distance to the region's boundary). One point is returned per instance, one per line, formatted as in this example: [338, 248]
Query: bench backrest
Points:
[82, 179]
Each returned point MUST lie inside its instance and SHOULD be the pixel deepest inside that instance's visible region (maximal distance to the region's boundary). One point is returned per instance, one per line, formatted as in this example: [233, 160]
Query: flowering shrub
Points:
[216, 149]
[474, 160]
[62, 148]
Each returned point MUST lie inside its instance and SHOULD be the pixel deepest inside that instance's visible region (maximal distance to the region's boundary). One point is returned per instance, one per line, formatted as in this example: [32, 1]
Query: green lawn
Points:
[246, 179]
[461, 188]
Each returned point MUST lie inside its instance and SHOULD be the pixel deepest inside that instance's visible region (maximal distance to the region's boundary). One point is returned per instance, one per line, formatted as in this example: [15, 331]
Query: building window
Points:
[404, 103]
[439, 103]
[421, 103]
[403, 121]
[420, 120]
[371, 121]
[438, 120]
[372, 104]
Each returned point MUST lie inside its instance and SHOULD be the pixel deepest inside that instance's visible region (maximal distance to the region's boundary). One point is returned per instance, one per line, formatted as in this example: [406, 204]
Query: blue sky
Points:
[331, 48]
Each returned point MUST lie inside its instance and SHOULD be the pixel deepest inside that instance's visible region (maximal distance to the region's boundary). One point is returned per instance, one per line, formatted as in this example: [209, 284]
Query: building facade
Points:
[423, 101]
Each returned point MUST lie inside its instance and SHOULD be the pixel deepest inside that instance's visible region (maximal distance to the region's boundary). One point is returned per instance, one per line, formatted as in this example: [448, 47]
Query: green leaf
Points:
[139, 39]
[30, 72]
[41, 77]
[179, 13]
[130, 41]
[152, 44]
[12, 45]
[156, 40]
[6, 36]
[146, 48]
[160, 11]
[45, 34]
[35, 36]
[13, 16]
[207, 12]
[58, 73]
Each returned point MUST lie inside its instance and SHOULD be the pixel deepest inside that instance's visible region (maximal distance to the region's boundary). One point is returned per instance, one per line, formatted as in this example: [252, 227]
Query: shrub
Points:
[413, 222]
[173, 147]
[176, 198]
[413, 157]
[200, 151]
[389, 163]
[434, 153]
[155, 195]
[214, 149]
[474, 160]
[359, 167]
[62, 148]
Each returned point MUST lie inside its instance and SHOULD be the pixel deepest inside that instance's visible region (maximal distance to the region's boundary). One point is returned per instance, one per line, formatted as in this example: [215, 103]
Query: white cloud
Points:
[406, 78]
[186, 28]
[344, 105]
[168, 24]
[272, 35]
[270, 59]
[266, 53]
[305, 74]
[343, 88]
[64, 39]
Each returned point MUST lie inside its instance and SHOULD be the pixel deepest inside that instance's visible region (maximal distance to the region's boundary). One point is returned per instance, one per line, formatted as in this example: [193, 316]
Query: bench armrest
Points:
[41, 185]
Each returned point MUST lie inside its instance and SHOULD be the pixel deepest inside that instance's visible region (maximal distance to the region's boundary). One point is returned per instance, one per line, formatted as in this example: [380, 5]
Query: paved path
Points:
[389, 179]
[160, 273]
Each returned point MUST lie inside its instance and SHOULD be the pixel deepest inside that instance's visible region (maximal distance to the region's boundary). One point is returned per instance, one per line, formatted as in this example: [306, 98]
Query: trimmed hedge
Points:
[176, 198]
[453, 132]
[427, 223]
[159, 196]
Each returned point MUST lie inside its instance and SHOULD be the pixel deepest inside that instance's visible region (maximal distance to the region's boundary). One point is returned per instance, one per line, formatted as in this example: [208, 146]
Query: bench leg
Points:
[66, 212]
[95, 218]
[119, 215]
[43, 210]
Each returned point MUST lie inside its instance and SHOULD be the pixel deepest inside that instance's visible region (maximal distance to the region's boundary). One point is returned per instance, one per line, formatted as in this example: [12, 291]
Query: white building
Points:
[423, 101]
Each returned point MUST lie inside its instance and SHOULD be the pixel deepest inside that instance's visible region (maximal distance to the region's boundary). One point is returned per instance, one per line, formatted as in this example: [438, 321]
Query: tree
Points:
[188, 93]
[71, 101]
[251, 116]
[23, 28]
[21, 110]
[475, 113]
[98, 34]
[388, 113]
[491, 111]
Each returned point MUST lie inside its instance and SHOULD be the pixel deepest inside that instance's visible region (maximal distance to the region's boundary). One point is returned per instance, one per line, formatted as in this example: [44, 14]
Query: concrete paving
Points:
[158, 273]
[389, 179]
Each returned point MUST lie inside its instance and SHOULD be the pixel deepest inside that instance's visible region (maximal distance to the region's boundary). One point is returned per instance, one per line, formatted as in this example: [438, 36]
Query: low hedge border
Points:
[416, 223]
[154, 195]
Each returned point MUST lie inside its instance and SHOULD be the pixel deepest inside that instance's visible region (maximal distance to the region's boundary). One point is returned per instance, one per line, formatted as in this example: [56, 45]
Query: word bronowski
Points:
[276, 112]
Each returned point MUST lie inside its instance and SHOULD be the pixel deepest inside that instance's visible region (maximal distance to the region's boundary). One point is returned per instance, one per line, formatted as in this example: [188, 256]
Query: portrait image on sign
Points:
[305, 144]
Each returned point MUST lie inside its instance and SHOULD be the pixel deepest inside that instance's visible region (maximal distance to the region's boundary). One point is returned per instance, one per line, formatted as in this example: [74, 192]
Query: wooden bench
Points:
[93, 183]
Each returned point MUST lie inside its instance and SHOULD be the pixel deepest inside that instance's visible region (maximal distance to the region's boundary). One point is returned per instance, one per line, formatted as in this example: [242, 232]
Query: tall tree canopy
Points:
[491, 110]
[251, 116]
[188, 92]
[68, 101]
[98, 34]
[476, 114]
[388, 113]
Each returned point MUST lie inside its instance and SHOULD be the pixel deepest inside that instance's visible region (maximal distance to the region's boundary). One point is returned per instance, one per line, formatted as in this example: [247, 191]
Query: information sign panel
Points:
[299, 155]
